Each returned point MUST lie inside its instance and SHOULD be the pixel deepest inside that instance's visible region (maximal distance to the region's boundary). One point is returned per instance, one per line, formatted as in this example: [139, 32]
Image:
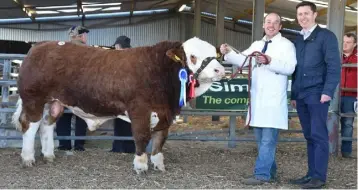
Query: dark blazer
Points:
[318, 66]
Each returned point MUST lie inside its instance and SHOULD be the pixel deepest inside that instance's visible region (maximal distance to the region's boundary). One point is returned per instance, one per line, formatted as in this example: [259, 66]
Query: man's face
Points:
[306, 17]
[118, 47]
[272, 25]
[348, 44]
[84, 38]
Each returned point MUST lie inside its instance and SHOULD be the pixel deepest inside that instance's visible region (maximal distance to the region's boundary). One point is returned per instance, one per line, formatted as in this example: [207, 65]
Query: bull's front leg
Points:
[157, 157]
[141, 135]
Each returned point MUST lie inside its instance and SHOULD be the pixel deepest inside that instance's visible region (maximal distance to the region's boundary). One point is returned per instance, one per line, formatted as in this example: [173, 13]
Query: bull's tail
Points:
[16, 115]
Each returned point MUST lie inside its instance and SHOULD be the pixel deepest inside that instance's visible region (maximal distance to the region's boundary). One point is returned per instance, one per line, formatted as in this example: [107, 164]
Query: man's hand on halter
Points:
[225, 49]
[261, 59]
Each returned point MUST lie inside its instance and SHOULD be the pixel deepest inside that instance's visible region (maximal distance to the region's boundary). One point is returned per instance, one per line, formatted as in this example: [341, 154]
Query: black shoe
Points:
[64, 148]
[79, 148]
[313, 184]
[301, 181]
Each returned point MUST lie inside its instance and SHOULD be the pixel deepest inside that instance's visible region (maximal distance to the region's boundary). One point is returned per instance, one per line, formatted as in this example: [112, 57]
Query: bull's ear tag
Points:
[176, 58]
[183, 77]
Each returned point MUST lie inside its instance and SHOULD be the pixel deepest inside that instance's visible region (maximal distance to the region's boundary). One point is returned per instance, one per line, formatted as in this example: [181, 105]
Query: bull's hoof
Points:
[159, 168]
[140, 164]
[141, 168]
[141, 171]
[28, 163]
[158, 162]
[49, 158]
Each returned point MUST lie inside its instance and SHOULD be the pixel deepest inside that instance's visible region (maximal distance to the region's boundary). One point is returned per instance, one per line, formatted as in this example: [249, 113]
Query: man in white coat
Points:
[269, 105]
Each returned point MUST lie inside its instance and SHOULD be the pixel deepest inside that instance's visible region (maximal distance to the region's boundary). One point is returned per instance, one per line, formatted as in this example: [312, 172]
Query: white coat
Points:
[269, 82]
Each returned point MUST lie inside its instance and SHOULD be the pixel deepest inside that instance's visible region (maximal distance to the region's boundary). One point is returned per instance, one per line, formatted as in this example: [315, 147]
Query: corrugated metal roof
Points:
[142, 34]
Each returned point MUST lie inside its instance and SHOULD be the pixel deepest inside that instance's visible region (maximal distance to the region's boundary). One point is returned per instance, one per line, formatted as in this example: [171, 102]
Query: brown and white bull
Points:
[141, 84]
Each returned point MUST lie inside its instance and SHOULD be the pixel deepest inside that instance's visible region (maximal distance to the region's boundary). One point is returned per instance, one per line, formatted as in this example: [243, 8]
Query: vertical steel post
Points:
[335, 23]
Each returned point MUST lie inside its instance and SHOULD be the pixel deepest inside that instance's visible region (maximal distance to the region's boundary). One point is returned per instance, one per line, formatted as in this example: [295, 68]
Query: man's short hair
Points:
[352, 35]
[279, 16]
[307, 3]
[77, 30]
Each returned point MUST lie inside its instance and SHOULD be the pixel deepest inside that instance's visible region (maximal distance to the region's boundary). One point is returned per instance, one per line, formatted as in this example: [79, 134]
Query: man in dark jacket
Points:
[348, 80]
[314, 82]
[78, 35]
[121, 127]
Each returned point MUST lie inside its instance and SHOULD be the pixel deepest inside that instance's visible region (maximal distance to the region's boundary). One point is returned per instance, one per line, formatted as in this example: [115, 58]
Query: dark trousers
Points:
[347, 106]
[313, 117]
[123, 129]
[63, 128]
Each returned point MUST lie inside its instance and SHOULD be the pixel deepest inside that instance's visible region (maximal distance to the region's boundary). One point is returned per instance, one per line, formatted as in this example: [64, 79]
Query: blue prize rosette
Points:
[183, 77]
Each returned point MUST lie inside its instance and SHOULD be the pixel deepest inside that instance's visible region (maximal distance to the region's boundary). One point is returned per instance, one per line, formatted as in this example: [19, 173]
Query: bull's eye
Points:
[193, 59]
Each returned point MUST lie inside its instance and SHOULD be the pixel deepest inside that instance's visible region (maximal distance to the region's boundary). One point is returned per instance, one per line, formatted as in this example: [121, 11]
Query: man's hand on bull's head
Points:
[225, 49]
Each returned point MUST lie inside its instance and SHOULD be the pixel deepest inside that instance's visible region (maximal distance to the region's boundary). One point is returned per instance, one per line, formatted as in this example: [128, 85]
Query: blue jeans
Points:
[266, 139]
[347, 103]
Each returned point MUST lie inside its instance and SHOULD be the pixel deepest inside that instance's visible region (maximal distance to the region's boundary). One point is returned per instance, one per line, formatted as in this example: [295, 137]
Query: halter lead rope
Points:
[239, 70]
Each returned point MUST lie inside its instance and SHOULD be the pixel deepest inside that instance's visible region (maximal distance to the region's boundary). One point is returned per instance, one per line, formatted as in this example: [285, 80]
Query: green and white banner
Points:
[228, 95]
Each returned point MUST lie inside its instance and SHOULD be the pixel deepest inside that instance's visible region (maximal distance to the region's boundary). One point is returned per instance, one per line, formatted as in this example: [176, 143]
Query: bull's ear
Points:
[175, 54]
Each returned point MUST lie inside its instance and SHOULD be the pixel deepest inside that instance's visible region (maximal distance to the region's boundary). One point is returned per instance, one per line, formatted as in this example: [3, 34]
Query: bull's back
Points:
[45, 65]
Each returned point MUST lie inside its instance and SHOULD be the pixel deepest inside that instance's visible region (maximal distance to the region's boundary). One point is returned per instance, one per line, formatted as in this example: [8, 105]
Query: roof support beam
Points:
[250, 11]
[220, 22]
[134, 2]
[27, 11]
[351, 29]
[179, 3]
[323, 11]
[197, 18]
[257, 20]
[80, 11]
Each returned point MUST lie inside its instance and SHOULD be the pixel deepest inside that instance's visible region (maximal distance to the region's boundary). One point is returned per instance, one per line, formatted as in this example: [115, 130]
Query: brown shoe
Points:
[253, 181]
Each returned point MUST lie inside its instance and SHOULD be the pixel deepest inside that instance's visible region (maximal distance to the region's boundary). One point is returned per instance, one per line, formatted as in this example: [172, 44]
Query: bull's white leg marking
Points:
[154, 119]
[158, 161]
[28, 144]
[47, 142]
[140, 163]
[16, 115]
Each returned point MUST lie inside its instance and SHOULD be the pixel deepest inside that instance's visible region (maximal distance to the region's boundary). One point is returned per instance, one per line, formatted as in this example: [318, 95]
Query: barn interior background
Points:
[146, 22]
[215, 164]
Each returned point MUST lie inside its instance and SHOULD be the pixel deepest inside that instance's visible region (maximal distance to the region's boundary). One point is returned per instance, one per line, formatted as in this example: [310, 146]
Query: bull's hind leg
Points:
[141, 135]
[52, 111]
[30, 120]
[157, 157]
[28, 144]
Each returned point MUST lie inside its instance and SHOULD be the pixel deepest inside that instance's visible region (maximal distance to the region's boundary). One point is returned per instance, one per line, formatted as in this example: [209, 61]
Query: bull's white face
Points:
[196, 51]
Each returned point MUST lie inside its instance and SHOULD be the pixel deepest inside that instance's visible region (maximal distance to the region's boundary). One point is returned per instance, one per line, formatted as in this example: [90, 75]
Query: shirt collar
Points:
[303, 32]
[275, 38]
